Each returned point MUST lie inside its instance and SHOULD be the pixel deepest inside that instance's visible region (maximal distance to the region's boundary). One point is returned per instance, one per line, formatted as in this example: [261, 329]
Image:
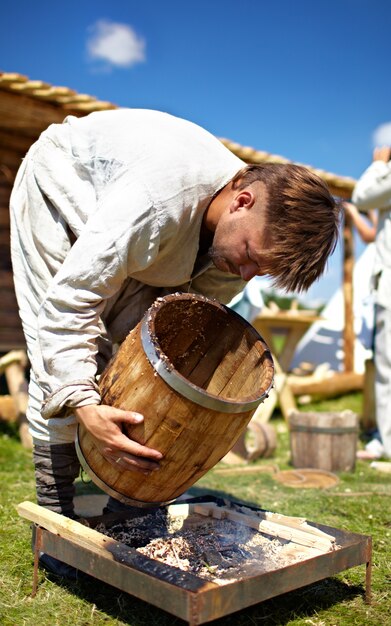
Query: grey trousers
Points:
[56, 469]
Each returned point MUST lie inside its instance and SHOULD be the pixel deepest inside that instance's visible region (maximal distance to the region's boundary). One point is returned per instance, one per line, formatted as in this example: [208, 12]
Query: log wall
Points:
[11, 336]
[22, 119]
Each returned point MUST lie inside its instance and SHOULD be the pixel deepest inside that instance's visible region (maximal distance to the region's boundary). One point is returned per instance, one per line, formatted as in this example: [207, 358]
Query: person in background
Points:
[365, 226]
[373, 191]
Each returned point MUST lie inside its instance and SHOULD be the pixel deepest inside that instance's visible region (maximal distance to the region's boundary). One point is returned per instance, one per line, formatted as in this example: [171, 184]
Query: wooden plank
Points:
[282, 580]
[88, 539]
[245, 469]
[66, 527]
[285, 527]
[219, 512]
[337, 384]
[348, 266]
[292, 324]
[281, 527]
[159, 591]
[285, 395]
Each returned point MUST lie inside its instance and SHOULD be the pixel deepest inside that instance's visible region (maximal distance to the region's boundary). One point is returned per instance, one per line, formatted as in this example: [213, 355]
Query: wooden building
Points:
[27, 107]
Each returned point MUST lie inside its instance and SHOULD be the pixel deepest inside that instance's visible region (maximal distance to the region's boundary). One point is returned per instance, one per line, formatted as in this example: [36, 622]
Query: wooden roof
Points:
[340, 186]
[27, 107]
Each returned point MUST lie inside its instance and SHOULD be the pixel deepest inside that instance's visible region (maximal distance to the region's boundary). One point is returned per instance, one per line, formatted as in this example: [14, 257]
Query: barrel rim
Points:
[182, 385]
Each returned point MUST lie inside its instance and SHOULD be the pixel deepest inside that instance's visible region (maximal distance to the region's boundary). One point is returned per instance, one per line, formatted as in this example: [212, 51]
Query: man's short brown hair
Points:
[302, 222]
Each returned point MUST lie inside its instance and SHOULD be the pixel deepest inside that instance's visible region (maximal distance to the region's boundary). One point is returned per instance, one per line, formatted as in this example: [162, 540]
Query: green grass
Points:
[360, 502]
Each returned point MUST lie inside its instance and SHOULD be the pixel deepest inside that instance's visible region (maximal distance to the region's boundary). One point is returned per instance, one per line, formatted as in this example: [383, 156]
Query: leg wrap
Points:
[56, 468]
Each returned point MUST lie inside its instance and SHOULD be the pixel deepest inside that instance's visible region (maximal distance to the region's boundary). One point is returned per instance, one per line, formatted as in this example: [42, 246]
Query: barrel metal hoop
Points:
[187, 389]
[323, 430]
[106, 487]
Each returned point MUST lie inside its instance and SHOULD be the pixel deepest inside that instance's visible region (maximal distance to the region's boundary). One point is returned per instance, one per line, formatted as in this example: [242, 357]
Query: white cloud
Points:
[382, 135]
[117, 44]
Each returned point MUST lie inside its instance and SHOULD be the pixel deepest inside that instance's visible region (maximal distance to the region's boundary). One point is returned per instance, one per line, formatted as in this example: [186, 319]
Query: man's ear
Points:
[244, 199]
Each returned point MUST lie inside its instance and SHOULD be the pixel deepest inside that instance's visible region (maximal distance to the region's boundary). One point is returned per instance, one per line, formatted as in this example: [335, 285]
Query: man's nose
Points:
[248, 271]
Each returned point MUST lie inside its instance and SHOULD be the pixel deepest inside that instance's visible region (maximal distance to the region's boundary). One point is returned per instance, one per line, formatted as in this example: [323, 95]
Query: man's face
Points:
[240, 243]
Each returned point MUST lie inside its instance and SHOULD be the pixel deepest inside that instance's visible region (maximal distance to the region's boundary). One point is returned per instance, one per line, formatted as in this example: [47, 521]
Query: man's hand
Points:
[382, 154]
[104, 424]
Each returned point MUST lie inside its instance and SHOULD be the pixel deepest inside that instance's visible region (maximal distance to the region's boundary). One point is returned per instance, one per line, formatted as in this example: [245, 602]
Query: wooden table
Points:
[291, 325]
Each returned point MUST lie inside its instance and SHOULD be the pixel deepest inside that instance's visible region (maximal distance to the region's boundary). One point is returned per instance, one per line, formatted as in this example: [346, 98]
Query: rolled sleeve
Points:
[74, 395]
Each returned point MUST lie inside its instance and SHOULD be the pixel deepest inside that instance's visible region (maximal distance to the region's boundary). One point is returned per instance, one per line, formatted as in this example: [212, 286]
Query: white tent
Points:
[249, 302]
[323, 343]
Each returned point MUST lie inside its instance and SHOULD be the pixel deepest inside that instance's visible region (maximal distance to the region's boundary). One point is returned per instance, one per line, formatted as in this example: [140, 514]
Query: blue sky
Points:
[309, 80]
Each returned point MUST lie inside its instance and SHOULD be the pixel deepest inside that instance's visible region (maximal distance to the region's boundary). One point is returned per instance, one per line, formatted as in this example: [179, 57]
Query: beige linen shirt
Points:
[106, 214]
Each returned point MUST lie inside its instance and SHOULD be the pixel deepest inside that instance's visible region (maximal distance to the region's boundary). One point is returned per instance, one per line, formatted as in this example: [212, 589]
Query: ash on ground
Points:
[217, 550]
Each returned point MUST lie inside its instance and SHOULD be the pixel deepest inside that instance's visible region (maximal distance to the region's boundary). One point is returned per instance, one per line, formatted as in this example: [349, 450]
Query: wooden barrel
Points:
[259, 440]
[326, 441]
[197, 371]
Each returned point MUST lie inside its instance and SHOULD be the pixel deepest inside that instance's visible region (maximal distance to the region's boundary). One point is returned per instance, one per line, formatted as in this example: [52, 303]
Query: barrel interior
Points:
[213, 348]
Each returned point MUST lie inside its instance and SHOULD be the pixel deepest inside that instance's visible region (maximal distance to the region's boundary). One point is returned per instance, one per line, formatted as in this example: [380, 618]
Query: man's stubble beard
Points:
[220, 261]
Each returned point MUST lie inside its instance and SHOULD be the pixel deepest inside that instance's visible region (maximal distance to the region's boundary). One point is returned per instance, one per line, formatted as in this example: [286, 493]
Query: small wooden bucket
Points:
[196, 371]
[326, 441]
